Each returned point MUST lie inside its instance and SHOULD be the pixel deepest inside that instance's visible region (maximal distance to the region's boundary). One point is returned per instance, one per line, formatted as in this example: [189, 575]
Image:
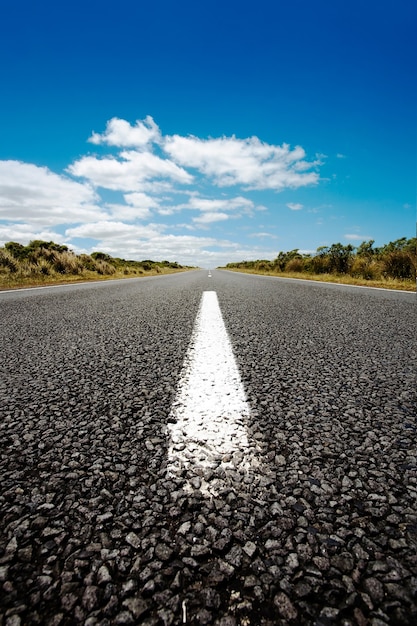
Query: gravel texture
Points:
[321, 530]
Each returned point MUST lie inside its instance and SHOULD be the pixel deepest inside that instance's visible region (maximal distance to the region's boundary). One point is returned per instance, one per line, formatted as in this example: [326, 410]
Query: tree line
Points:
[47, 258]
[397, 260]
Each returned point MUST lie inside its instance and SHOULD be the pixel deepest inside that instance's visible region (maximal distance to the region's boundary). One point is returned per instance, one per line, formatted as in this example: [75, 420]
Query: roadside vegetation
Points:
[46, 262]
[392, 265]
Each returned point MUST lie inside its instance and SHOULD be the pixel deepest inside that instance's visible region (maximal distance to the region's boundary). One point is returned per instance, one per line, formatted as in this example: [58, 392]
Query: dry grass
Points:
[385, 283]
[13, 281]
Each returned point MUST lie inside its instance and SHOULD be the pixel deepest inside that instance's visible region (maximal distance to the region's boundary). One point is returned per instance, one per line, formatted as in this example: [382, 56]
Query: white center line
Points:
[207, 424]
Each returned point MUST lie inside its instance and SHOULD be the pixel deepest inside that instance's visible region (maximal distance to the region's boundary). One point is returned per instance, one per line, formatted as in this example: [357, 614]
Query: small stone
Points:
[163, 552]
[3, 572]
[43, 582]
[292, 561]
[276, 509]
[227, 620]
[249, 548]
[203, 617]
[343, 562]
[10, 550]
[68, 601]
[90, 598]
[137, 606]
[234, 556]
[25, 554]
[329, 614]
[133, 540]
[167, 617]
[184, 528]
[202, 549]
[321, 562]
[103, 575]
[285, 607]
[374, 588]
[124, 618]
[226, 568]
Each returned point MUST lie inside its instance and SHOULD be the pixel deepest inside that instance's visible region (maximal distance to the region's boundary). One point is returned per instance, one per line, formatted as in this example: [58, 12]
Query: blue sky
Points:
[207, 132]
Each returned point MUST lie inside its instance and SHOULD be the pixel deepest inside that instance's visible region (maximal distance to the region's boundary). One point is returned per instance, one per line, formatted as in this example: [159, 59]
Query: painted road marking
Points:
[207, 424]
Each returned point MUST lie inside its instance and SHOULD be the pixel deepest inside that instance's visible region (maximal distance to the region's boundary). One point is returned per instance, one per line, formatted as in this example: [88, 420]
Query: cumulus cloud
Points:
[36, 195]
[294, 206]
[249, 162]
[226, 161]
[114, 231]
[144, 177]
[121, 134]
[128, 213]
[210, 217]
[129, 172]
[138, 207]
[23, 233]
[198, 203]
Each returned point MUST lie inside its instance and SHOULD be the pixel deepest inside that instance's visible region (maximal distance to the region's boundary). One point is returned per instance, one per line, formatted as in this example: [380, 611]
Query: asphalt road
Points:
[95, 529]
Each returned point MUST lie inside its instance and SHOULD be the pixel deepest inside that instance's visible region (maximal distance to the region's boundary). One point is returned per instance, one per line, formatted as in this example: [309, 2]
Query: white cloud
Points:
[211, 216]
[199, 203]
[355, 237]
[23, 233]
[230, 161]
[114, 231]
[263, 235]
[128, 213]
[141, 200]
[129, 172]
[149, 171]
[36, 195]
[120, 133]
[295, 206]
[138, 207]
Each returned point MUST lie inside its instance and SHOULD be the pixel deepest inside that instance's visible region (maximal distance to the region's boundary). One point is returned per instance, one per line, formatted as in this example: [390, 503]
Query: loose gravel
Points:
[96, 531]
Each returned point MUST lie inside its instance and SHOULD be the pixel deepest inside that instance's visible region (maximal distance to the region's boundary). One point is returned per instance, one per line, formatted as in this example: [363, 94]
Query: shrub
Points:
[320, 264]
[88, 262]
[66, 263]
[16, 249]
[365, 267]
[105, 268]
[101, 256]
[44, 268]
[8, 261]
[295, 265]
[398, 264]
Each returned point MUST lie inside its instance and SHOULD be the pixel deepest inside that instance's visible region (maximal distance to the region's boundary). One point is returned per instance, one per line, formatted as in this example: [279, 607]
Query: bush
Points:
[105, 269]
[88, 262]
[398, 264]
[8, 261]
[365, 267]
[43, 267]
[66, 263]
[320, 264]
[295, 265]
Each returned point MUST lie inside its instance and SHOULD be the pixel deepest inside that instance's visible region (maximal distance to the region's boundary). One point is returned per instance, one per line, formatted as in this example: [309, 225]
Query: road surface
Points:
[172, 457]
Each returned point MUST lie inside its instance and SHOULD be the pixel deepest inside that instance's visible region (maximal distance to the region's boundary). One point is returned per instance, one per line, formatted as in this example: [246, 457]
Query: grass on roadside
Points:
[45, 263]
[385, 283]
